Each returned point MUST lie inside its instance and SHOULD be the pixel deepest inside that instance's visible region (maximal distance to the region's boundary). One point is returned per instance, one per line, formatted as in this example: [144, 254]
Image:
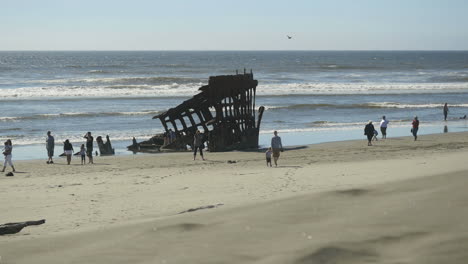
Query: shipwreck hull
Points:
[224, 111]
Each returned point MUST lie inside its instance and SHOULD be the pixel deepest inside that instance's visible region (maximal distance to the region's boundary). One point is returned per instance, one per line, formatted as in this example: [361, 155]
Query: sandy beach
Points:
[398, 201]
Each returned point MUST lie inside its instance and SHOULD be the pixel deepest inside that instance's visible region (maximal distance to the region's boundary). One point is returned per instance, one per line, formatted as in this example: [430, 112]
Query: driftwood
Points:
[13, 228]
[201, 208]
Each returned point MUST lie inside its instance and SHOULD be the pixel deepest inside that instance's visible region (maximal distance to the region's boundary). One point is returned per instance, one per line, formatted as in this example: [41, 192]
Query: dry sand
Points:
[399, 201]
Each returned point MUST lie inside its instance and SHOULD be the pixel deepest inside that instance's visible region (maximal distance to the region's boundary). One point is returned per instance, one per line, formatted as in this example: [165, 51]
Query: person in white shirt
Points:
[383, 127]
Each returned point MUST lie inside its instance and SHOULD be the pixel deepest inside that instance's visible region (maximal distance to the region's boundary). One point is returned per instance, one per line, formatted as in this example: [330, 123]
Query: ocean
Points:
[309, 96]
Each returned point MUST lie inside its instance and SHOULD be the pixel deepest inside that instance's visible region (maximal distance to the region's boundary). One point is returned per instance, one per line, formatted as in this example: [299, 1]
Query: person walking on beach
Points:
[68, 150]
[198, 144]
[268, 156]
[50, 145]
[83, 154]
[383, 127]
[415, 128]
[369, 132]
[277, 147]
[7, 150]
[89, 147]
[446, 110]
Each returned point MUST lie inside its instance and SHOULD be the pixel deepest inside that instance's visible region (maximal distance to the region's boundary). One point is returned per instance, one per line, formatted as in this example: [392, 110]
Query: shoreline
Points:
[290, 139]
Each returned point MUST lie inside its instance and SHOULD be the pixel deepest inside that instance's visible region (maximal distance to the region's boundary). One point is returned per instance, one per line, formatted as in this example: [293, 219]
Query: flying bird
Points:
[288, 37]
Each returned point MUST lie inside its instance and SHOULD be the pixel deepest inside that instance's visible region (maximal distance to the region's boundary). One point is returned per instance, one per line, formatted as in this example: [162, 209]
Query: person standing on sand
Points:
[369, 132]
[198, 144]
[89, 147]
[7, 150]
[83, 154]
[172, 136]
[268, 156]
[277, 147]
[68, 150]
[415, 128]
[383, 127]
[446, 110]
[50, 145]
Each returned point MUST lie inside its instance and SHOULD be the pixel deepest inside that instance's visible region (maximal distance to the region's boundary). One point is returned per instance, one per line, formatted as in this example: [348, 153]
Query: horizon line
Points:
[201, 50]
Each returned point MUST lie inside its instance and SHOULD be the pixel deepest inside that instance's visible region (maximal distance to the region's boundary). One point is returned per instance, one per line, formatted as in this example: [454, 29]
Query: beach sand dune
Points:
[407, 206]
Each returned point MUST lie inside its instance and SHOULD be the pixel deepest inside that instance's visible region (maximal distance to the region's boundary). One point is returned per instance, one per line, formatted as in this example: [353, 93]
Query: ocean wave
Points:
[356, 106]
[324, 126]
[331, 124]
[74, 66]
[400, 105]
[120, 80]
[142, 87]
[347, 67]
[110, 91]
[358, 88]
[77, 139]
[76, 115]
[9, 129]
[462, 78]
[99, 72]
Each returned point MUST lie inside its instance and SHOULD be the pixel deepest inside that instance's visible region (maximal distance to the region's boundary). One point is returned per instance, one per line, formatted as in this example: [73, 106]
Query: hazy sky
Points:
[233, 25]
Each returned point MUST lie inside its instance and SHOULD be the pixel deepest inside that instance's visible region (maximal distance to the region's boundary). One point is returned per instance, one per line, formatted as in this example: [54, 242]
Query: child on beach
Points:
[375, 135]
[268, 156]
[83, 154]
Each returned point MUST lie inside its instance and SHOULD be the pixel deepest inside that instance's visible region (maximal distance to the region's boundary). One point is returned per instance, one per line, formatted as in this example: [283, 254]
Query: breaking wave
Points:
[183, 87]
[358, 88]
[119, 80]
[76, 115]
[20, 140]
[357, 106]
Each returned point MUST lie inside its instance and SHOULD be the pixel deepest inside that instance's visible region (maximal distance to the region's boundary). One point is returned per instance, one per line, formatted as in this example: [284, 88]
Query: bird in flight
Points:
[288, 37]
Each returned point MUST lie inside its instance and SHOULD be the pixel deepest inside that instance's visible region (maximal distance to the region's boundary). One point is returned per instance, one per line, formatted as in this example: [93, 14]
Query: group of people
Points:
[68, 149]
[85, 150]
[273, 151]
[198, 143]
[169, 137]
[371, 133]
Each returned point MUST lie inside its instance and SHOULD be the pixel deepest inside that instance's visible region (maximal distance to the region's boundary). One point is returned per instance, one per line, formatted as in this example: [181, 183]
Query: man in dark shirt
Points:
[89, 147]
[369, 132]
[50, 145]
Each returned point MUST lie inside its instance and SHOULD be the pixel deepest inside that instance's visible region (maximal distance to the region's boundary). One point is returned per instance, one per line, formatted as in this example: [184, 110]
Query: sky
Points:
[234, 25]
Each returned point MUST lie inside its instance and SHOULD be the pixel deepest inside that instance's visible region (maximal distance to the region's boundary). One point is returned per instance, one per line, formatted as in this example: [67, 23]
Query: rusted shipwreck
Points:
[224, 111]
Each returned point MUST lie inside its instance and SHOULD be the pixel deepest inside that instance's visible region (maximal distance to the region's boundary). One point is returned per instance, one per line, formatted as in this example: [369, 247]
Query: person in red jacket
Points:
[415, 128]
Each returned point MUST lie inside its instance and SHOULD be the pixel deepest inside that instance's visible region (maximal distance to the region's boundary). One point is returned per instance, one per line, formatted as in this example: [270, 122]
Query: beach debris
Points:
[201, 208]
[224, 111]
[353, 192]
[231, 161]
[13, 228]
[9, 174]
[105, 148]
